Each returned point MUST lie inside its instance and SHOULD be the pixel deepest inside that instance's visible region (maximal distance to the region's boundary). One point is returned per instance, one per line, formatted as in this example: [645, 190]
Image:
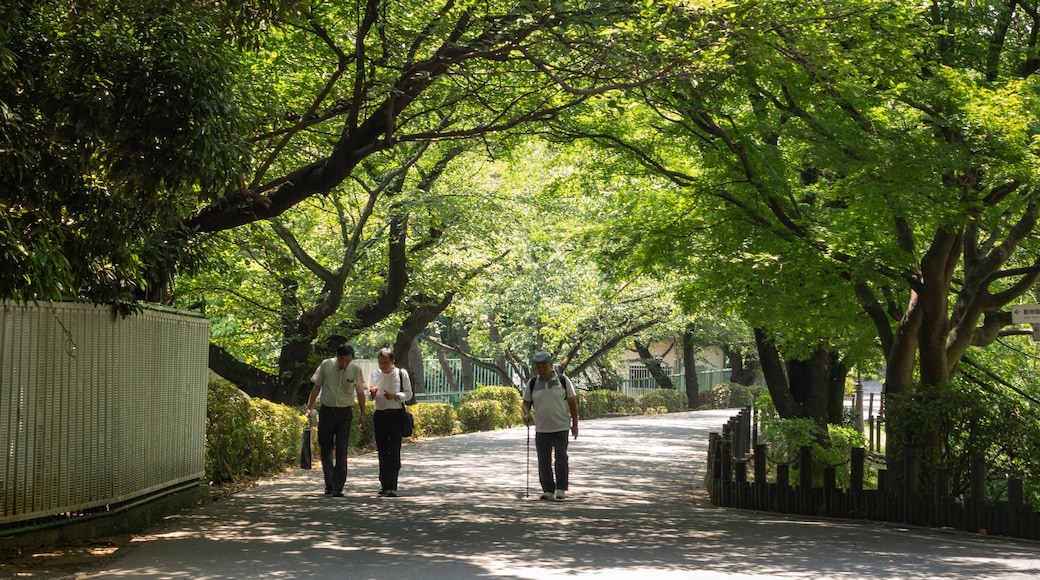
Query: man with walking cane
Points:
[555, 408]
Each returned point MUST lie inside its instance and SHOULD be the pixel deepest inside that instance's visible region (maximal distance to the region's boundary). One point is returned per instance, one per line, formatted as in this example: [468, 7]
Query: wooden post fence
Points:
[728, 485]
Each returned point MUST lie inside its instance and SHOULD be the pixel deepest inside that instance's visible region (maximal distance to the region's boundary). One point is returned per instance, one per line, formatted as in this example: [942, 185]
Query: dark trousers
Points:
[334, 436]
[388, 427]
[546, 444]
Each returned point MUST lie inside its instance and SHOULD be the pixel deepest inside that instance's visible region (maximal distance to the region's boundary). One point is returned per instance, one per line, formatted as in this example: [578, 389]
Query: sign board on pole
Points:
[1025, 314]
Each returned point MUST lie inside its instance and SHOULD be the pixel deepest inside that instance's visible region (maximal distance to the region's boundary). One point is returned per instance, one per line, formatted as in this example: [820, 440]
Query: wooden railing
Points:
[728, 485]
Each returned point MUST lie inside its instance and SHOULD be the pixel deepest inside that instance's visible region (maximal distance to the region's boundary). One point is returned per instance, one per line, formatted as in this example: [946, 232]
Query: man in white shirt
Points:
[555, 410]
[390, 388]
[338, 383]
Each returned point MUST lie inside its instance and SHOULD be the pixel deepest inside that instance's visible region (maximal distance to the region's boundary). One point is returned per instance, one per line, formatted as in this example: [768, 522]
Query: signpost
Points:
[1027, 314]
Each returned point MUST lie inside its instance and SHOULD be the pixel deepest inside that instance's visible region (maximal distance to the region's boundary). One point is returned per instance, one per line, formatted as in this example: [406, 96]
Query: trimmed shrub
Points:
[278, 429]
[663, 401]
[359, 438]
[594, 404]
[730, 396]
[433, 419]
[508, 399]
[248, 438]
[479, 415]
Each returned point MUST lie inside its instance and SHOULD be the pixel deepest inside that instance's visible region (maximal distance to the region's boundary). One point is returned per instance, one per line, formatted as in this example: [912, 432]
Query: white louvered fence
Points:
[97, 409]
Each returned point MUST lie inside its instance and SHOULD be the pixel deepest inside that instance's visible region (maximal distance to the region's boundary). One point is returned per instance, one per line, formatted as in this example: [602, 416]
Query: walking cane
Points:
[527, 490]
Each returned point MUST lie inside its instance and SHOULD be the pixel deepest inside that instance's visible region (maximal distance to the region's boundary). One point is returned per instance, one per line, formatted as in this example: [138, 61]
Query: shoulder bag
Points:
[408, 423]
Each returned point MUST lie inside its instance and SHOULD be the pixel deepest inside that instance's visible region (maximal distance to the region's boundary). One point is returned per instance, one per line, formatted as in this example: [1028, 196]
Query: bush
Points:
[359, 438]
[248, 438]
[663, 401]
[784, 439]
[594, 404]
[508, 399]
[479, 415]
[731, 396]
[433, 419]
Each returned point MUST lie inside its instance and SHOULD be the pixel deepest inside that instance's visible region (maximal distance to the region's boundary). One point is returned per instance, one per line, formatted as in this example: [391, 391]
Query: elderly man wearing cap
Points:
[555, 410]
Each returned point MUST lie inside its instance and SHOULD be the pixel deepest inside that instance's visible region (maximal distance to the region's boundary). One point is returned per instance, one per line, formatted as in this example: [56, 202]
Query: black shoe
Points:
[383, 492]
[391, 493]
[337, 494]
[328, 492]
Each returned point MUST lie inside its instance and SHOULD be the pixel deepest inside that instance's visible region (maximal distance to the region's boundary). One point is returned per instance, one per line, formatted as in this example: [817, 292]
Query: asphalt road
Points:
[634, 511]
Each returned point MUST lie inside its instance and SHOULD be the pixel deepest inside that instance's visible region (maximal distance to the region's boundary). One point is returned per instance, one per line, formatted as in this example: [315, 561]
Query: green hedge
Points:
[663, 401]
[508, 397]
[594, 404]
[489, 408]
[248, 438]
[730, 396]
[433, 419]
[481, 416]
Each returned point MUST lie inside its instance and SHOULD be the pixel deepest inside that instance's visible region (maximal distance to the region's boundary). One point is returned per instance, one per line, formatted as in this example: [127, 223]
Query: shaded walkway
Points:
[632, 512]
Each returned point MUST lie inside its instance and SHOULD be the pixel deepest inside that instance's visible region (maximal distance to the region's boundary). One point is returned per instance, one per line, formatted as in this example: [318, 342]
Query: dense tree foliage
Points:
[125, 104]
[114, 117]
[332, 99]
[860, 165]
[546, 294]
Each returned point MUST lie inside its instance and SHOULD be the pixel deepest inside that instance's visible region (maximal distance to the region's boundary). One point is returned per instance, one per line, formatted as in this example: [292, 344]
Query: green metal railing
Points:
[439, 388]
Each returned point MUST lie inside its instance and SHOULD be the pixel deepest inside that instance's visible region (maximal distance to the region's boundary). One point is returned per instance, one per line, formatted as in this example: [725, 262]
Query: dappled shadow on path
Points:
[633, 509]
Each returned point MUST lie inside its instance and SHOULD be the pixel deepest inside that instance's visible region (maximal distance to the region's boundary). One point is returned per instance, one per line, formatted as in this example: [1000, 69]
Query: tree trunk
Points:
[920, 338]
[776, 381]
[817, 384]
[466, 370]
[689, 354]
[836, 389]
[495, 338]
[743, 372]
[442, 359]
[416, 368]
[422, 311]
[249, 379]
[653, 365]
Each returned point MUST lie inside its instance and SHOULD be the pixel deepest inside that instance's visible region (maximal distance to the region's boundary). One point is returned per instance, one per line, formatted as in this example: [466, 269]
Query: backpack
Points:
[564, 381]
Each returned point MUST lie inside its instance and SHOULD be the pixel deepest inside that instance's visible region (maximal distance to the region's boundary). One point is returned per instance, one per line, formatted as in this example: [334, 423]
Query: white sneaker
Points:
[547, 495]
[560, 494]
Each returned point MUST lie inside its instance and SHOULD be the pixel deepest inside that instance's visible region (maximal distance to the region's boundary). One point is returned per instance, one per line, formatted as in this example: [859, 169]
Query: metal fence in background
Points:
[705, 381]
[439, 388]
[437, 380]
[96, 409]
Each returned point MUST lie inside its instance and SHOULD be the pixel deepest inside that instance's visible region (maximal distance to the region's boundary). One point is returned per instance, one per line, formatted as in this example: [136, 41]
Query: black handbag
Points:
[408, 424]
[305, 444]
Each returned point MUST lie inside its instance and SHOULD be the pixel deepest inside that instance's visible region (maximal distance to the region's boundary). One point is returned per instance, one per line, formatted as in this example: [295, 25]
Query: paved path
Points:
[633, 512]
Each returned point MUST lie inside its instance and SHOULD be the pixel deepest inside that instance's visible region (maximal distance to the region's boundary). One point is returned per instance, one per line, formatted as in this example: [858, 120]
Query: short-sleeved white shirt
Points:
[339, 387]
[549, 398]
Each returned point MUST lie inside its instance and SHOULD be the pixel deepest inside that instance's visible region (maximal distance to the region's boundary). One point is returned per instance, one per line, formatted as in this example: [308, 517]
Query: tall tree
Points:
[376, 74]
[859, 166]
[326, 271]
